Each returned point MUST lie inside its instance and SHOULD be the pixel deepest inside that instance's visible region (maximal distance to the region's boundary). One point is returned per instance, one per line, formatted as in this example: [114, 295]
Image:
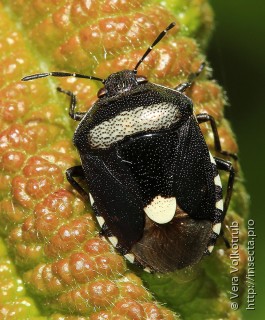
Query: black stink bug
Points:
[153, 184]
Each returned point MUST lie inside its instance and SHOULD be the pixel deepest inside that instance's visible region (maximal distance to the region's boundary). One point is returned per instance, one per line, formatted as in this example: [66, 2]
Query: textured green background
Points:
[233, 40]
[237, 54]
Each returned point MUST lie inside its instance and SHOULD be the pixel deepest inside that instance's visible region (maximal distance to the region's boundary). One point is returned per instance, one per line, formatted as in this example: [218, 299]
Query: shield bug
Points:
[153, 184]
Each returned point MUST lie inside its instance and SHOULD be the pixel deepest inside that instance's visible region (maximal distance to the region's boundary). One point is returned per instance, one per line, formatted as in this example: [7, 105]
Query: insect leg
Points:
[184, 86]
[204, 117]
[227, 243]
[77, 116]
[77, 171]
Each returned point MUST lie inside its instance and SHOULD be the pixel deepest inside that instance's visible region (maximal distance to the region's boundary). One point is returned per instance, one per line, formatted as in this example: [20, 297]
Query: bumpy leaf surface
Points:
[53, 264]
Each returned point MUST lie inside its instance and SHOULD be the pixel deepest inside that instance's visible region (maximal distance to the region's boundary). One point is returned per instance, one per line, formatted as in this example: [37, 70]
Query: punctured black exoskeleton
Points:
[153, 184]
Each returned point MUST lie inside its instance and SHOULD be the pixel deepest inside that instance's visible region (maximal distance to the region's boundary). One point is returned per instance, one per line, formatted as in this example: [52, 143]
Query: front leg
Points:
[77, 116]
[182, 87]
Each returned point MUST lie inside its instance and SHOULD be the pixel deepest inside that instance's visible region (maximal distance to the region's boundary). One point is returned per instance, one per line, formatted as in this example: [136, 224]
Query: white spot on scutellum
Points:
[147, 269]
[217, 228]
[101, 221]
[113, 240]
[130, 257]
[154, 117]
[219, 205]
[210, 248]
[161, 210]
[91, 199]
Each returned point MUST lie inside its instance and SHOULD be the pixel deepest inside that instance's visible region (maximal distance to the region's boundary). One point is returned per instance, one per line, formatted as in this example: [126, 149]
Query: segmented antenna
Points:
[78, 75]
[160, 37]
[59, 74]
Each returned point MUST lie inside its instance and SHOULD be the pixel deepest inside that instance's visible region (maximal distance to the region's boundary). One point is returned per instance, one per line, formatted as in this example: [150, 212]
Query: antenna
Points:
[60, 74]
[160, 37]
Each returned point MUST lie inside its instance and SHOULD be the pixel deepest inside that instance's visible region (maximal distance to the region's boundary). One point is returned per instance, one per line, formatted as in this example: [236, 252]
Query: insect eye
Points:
[102, 92]
[141, 79]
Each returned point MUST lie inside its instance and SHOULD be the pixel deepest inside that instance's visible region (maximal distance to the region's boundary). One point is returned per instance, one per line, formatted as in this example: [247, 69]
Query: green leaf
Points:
[54, 265]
